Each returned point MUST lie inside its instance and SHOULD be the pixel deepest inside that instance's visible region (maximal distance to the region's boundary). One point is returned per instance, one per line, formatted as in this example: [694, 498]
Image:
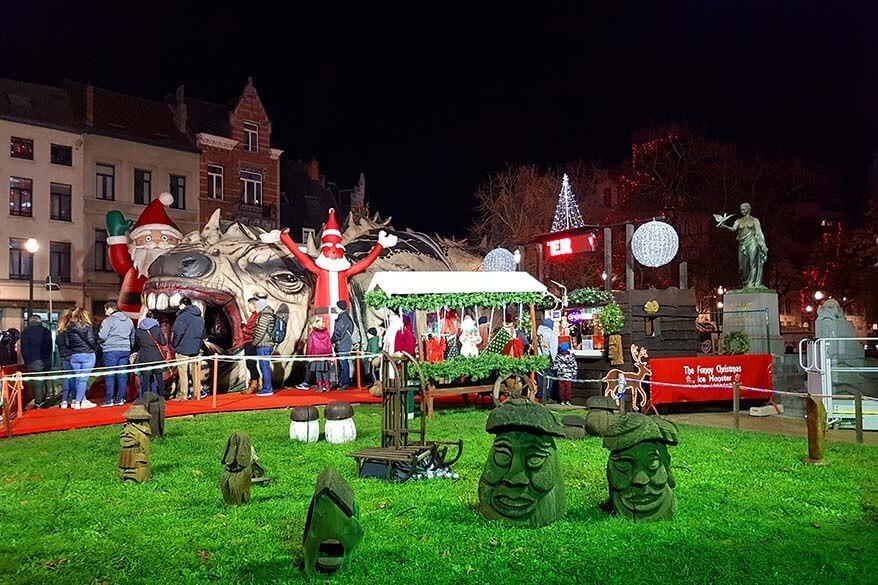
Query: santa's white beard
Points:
[332, 264]
[143, 257]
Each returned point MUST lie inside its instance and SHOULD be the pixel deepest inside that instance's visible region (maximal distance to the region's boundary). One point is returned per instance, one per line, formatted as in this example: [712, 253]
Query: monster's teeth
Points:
[161, 302]
[150, 301]
[175, 299]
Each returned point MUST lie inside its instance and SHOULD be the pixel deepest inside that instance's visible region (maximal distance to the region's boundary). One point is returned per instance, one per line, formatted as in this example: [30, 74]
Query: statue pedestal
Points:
[745, 310]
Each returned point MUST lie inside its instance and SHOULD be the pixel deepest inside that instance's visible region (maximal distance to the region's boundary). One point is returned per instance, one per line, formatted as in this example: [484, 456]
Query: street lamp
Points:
[818, 295]
[32, 246]
[719, 304]
[809, 309]
[720, 290]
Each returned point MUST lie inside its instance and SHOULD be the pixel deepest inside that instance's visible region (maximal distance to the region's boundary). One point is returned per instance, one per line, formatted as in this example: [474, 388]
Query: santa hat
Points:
[331, 233]
[155, 217]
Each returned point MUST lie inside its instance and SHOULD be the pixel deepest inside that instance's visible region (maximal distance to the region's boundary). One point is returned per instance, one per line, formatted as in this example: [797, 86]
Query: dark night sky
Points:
[429, 104]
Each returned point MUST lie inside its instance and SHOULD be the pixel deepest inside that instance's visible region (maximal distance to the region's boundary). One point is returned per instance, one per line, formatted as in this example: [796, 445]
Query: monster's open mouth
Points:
[222, 319]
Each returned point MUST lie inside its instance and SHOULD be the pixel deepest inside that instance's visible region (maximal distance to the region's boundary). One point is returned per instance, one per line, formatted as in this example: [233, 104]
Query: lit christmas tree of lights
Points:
[567, 214]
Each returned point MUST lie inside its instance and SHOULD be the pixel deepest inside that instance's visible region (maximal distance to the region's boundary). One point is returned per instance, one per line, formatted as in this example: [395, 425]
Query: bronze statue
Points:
[134, 445]
[332, 528]
[155, 405]
[639, 468]
[752, 250]
[522, 482]
[238, 460]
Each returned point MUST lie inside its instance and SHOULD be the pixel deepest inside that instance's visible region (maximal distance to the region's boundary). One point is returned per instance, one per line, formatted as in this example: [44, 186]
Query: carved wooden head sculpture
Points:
[238, 461]
[522, 482]
[134, 445]
[639, 468]
[332, 528]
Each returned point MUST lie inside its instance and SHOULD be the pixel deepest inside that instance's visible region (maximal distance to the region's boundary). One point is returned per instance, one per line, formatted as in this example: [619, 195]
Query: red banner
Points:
[705, 371]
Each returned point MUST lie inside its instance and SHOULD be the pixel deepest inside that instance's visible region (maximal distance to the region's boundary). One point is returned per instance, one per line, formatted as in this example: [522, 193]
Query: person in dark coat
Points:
[343, 340]
[36, 351]
[186, 339]
[149, 341]
[68, 384]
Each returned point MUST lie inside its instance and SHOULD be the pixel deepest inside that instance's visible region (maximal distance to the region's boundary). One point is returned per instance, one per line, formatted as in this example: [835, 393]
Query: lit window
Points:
[21, 197]
[21, 148]
[19, 260]
[215, 181]
[251, 188]
[251, 137]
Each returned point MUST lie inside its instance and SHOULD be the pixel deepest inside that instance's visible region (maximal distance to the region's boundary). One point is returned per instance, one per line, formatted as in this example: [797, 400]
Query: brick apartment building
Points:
[239, 171]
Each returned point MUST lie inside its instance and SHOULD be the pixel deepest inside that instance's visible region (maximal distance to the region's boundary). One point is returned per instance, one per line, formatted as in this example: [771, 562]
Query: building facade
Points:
[239, 171]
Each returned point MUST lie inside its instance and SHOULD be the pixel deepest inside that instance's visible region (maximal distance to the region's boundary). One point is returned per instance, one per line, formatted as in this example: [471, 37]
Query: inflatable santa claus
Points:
[332, 268]
[152, 235]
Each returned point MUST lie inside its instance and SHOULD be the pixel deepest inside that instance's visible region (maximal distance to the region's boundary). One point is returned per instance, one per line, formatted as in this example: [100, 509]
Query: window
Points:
[251, 188]
[21, 197]
[19, 260]
[61, 155]
[178, 190]
[142, 186]
[102, 252]
[251, 137]
[214, 181]
[60, 201]
[306, 233]
[105, 187]
[21, 148]
[59, 261]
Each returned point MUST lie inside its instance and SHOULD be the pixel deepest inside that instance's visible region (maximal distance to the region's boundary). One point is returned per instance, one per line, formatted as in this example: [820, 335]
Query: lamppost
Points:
[32, 246]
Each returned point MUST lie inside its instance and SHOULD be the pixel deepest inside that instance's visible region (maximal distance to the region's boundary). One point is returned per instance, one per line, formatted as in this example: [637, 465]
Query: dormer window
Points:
[251, 137]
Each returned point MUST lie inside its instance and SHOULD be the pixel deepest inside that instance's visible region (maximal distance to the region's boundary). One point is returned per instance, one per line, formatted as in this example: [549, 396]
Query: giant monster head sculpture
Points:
[522, 483]
[639, 468]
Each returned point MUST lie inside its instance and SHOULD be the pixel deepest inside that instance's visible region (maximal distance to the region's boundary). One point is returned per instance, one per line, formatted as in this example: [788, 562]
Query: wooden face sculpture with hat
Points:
[332, 268]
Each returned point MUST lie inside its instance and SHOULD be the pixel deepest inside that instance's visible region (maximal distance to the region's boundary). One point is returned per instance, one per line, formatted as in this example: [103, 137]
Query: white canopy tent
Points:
[422, 283]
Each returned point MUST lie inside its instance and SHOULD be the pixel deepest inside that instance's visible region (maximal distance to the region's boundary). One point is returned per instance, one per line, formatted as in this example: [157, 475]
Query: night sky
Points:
[429, 101]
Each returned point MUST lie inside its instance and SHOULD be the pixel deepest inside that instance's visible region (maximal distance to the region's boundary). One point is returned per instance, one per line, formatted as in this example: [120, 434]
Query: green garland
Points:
[590, 296]
[485, 366]
[378, 299]
[611, 319]
[736, 343]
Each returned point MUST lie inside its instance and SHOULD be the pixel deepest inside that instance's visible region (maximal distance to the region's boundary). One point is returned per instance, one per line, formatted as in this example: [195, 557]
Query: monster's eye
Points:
[288, 282]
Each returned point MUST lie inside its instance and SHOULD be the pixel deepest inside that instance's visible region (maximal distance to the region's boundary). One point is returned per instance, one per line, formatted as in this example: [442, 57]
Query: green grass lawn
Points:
[748, 512]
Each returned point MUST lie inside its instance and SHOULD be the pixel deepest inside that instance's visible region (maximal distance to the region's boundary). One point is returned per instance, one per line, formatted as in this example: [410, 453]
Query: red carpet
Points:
[55, 419]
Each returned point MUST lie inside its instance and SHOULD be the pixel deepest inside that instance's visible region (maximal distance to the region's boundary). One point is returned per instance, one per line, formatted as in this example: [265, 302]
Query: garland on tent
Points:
[485, 366]
[590, 296]
[378, 299]
[611, 319]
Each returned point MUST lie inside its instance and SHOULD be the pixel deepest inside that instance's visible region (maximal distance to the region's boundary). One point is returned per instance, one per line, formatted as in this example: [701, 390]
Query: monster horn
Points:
[211, 232]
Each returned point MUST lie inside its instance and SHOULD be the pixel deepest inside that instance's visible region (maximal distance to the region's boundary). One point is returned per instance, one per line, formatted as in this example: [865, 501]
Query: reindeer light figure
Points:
[632, 380]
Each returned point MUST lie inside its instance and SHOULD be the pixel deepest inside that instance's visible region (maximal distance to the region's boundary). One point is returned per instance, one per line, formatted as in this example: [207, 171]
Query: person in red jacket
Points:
[332, 268]
[249, 349]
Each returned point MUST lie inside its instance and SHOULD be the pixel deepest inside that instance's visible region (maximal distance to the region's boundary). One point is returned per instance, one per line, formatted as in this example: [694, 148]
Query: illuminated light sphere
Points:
[819, 295]
[809, 308]
[720, 290]
[719, 305]
[32, 245]
[499, 260]
[655, 243]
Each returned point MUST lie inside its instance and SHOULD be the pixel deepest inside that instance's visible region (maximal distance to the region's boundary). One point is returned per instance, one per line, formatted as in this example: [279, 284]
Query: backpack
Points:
[279, 331]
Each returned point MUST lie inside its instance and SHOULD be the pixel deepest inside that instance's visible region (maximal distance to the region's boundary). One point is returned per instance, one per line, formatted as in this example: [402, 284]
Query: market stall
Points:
[468, 326]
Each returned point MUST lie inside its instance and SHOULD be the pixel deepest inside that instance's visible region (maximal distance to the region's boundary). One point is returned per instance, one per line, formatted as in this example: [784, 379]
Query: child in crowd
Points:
[565, 369]
[320, 344]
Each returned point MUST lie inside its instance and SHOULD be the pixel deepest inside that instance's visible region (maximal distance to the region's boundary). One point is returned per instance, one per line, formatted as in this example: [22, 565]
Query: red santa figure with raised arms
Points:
[331, 266]
[152, 235]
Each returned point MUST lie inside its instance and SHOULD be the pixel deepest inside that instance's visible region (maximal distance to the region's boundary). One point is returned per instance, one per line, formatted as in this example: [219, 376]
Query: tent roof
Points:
[422, 283]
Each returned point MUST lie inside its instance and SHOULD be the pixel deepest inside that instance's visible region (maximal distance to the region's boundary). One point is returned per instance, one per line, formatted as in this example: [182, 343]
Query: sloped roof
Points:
[129, 117]
[208, 117]
[39, 104]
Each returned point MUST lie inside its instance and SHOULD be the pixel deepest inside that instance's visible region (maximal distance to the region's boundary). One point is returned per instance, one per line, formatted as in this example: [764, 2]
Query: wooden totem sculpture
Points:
[332, 528]
[815, 417]
[639, 468]
[155, 405]
[522, 483]
[238, 461]
[134, 445]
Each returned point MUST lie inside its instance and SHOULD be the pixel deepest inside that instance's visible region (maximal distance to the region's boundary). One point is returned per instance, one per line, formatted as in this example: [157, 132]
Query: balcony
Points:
[264, 216]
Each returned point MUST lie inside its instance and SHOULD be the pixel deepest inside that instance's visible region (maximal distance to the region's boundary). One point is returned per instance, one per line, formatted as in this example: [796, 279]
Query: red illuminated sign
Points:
[567, 245]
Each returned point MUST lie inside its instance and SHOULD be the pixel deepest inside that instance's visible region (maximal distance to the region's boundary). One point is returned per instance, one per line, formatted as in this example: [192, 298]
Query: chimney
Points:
[180, 112]
[313, 169]
[89, 105]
